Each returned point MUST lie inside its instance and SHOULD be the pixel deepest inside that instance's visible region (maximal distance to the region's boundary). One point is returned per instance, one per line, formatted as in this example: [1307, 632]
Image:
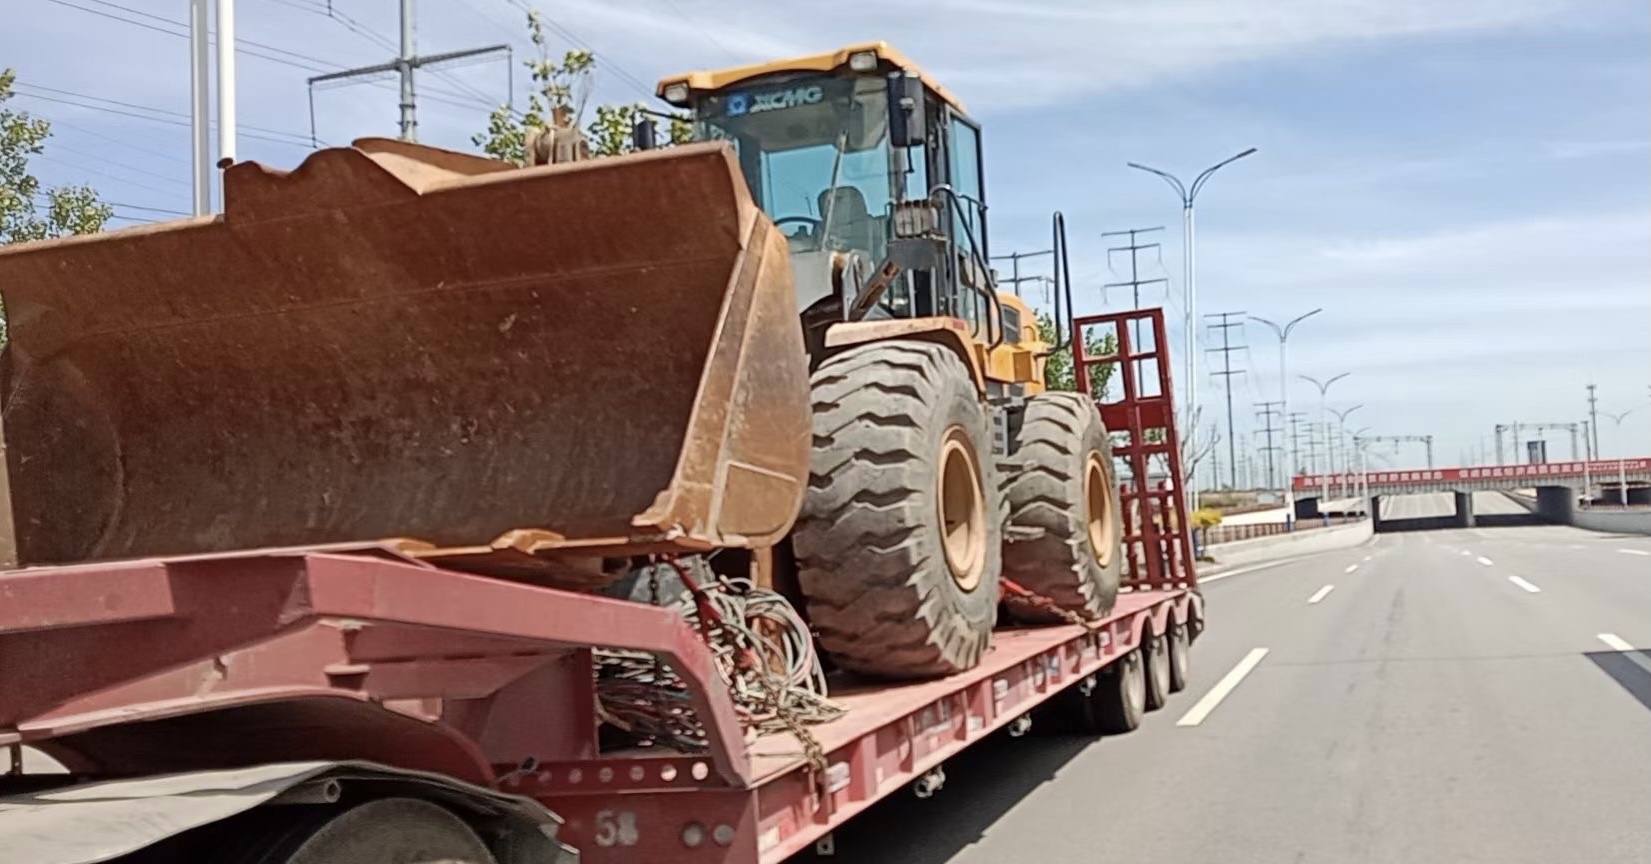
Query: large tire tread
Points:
[870, 562]
[1057, 434]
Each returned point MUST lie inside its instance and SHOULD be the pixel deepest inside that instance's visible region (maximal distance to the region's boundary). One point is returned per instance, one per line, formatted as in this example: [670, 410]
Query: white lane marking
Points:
[1320, 594]
[1221, 689]
[1466, 552]
[1525, 585]
[1367, 558]
[1242, 570]
[1634, 552]
[1621, 645]
[1351, 568]
[1485, 561]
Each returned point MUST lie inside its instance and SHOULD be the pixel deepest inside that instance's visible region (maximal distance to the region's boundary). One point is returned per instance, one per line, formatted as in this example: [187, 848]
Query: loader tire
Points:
[899, 543]
[1065, 488]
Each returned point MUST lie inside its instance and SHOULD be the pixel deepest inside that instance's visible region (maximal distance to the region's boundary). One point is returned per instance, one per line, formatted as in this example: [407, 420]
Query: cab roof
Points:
[830, 61]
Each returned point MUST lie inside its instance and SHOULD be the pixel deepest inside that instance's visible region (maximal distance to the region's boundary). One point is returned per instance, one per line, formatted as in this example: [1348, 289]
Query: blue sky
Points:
[1464, 186]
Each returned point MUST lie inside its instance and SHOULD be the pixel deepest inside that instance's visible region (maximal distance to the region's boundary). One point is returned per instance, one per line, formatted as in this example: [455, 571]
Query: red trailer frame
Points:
[357, 653]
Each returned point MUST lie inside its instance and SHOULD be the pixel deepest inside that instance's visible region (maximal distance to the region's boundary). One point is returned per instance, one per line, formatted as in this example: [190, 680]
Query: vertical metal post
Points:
[405, 64]
[1192, 350]
[1593, 418]
[226, 82]
[200, 107]
[1284, 413]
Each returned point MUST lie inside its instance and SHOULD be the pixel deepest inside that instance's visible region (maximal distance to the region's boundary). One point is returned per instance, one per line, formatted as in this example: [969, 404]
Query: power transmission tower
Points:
[1226, 375]
[1015, 278]
[405, 62]
[1134, 249]
[1295, 419]
[1269, 414]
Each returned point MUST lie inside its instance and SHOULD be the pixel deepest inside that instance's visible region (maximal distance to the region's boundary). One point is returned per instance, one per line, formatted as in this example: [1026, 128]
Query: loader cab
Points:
[861, 160]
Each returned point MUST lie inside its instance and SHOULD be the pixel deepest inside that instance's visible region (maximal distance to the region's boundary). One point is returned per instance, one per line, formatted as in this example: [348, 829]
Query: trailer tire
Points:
[1120, 700]
[388, 829]
[1066, 490]
[1179, 659]
[899, 542]
[1156, 648]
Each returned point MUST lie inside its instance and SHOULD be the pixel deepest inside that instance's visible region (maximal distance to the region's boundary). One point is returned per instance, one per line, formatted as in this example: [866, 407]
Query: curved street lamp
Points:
[1187, 194]
[1283, 334]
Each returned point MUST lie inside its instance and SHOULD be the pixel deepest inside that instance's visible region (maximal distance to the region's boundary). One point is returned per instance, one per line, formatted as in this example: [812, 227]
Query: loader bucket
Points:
[501, 365]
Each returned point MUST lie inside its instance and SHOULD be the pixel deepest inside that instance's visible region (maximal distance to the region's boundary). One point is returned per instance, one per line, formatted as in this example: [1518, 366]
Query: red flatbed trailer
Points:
[483, 690]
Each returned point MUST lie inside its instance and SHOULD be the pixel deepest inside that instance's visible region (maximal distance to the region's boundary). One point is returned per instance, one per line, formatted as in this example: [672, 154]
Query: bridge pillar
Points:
[1556, 503]
[1464, 510]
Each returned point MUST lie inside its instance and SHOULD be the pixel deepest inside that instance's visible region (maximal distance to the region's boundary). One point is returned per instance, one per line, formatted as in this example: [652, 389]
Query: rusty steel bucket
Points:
[499, 365]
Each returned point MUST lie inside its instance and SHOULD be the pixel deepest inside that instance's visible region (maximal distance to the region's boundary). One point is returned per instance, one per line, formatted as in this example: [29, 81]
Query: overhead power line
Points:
[151, 117]
[605, 61]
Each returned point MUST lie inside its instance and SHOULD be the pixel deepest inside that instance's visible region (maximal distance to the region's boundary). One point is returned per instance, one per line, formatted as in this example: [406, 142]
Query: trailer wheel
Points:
[899, 543]
[1179, 652]
[1067, 491]
[389, 829]
[1121, 699]
[1156, 648]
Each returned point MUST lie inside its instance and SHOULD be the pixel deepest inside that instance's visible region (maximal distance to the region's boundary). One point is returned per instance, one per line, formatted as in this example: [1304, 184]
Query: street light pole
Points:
[1341, 435]
[1188, 194]
[1324, 422]
[1622, 465]
[1283, 334]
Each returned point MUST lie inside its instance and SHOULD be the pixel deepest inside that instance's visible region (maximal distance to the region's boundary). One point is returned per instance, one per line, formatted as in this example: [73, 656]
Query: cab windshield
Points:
[815, 152]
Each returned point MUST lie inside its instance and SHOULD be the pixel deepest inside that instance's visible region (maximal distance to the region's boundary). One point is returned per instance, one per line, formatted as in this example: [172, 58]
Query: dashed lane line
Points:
[1196, 715]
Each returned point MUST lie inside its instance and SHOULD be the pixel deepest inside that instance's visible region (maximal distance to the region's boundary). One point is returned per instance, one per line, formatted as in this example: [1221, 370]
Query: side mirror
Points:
[906, 124]
[642, 134]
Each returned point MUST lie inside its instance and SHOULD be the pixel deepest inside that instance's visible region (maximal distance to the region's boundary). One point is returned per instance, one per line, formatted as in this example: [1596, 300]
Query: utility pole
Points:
[1014, 266]
[1226, 375]
[1134, 248]
[403, 65]
[1269, 416]
[1295, 419]
[1593, 420]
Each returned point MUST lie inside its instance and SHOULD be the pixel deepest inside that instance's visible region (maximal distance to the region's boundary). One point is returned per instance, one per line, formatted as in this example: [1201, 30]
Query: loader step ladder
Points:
[1137, 403]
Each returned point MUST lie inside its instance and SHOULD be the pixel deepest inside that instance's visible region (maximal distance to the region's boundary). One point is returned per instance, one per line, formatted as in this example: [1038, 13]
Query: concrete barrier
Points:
[1613, 521]
[1610, 520]
[1290, 545]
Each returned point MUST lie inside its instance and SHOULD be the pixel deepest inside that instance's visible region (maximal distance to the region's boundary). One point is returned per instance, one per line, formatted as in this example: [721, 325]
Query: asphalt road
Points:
[1456, 696]
[1444, 504]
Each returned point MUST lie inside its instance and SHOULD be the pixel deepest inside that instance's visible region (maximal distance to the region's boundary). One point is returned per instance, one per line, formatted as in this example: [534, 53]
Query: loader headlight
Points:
[677, 94]
[863, 61]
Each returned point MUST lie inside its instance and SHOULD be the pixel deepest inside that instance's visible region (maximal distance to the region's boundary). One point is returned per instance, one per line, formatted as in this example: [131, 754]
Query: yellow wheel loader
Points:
[784, 337]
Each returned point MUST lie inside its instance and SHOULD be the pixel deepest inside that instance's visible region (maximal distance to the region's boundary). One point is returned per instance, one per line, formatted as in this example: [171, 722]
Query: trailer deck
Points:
[360, 655]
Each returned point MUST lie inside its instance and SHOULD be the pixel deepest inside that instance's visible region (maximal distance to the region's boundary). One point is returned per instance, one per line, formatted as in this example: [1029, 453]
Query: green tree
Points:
[29, 211]
[560, 89]
[1057, 370]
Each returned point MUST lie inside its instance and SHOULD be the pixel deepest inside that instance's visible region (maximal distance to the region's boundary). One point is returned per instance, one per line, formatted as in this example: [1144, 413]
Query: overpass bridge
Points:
[1557, 485]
